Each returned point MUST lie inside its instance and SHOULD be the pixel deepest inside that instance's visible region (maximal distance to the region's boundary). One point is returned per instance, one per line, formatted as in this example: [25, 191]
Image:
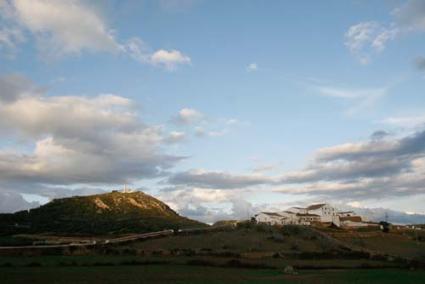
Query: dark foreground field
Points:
[199, 274]
[243, 254]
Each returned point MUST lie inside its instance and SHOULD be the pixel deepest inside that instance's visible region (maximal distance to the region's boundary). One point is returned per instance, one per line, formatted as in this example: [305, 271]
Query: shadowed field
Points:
[199, 274]
[245, 254]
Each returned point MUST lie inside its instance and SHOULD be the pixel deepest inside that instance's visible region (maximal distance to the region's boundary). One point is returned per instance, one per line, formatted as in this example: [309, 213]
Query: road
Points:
[94, 243]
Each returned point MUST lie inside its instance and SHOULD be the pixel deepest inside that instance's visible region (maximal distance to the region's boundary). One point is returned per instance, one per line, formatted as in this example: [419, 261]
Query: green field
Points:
[198, 274]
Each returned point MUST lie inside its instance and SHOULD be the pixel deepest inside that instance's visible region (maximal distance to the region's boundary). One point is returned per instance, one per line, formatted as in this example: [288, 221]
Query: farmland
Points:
[244, 254]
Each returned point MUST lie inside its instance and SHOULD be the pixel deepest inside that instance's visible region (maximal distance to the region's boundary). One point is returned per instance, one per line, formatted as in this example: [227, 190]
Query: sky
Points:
[219, 108]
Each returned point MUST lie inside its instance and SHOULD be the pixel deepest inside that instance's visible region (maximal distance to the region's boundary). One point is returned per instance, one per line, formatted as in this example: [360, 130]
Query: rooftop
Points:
[308, 215]
[272, 214]
[315, 206]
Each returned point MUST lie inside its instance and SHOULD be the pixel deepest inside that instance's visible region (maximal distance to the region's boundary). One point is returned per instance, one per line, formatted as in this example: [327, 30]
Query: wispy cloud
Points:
[252, 67]
[405, 121]
[370, 37]
[360, 99]
[366, 38]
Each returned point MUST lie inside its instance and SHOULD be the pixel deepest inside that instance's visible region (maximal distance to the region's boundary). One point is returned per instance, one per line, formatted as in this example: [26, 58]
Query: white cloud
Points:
[361, 98]
[175, 137]
[188, 116]
[371, 169]
[90, 140]
[64, 27]
[202, 132]
[232, 121]
[13, 87]
[204, 126]
[361, 34]
[346, 93]
[217, 133]
[140, 51]
[169, 59]
[405, 121]
[252, 67]
[208, 205]
[355, 204]
[383, 37]
[365, 38]
[137, 49]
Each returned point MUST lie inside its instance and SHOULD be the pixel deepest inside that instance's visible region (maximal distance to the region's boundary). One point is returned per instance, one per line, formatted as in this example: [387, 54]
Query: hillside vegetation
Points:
[110, 213]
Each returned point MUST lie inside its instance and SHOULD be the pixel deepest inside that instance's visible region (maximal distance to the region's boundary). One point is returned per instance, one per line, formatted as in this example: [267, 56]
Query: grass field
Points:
[124, 260]
[198, 274]
[393, 243]
[244, 240]
[244, 255]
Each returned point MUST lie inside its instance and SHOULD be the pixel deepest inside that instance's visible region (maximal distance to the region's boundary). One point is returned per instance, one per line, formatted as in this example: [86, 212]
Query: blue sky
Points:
[237, 97]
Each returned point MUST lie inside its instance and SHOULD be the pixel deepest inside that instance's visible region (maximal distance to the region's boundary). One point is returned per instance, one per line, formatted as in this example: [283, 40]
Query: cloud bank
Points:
[74, 140]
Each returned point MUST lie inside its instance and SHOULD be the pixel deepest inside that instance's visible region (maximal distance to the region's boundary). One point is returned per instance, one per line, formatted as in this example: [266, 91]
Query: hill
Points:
[109, 213]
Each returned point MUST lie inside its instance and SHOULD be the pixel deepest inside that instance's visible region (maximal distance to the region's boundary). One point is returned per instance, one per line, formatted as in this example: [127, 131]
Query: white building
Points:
[327, 213]
[300, 210]
[307, 219]
[286, 218]
[270, 218]
[299, 218]
[323, 213]
[315, 213]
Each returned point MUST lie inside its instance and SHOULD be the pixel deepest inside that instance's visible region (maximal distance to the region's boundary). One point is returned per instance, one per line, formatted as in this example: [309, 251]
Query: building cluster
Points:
[321, 214]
